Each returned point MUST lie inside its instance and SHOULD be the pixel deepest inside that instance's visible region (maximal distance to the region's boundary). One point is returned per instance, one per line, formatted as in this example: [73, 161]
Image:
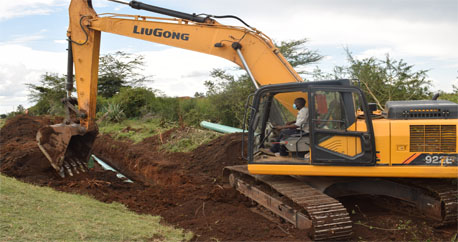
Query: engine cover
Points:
[421, 109]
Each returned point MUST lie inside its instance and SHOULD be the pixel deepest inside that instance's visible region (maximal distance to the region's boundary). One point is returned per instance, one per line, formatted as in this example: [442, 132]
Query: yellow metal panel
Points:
[336, 143]
[355, 171]
[362, 127]
[350, 146]
[347, 145]
[400, 136]
[382, 140]
[86, 60]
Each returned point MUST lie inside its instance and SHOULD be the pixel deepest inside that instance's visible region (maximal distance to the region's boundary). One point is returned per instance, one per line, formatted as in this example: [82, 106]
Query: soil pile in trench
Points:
[186, 189]
[20, 155]
[169, 185]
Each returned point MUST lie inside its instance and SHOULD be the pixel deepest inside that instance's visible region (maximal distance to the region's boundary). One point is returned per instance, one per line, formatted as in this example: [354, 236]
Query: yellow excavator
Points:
[408, 151]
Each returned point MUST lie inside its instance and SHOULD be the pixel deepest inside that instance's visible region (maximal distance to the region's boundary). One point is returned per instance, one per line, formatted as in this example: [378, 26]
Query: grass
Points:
[32, 213]
[133, 129]
[181, 140]
[2, 122]
[187, 139]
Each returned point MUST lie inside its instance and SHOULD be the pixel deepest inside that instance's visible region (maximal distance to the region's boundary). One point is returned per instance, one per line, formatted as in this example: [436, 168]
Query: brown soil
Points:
[186, 189]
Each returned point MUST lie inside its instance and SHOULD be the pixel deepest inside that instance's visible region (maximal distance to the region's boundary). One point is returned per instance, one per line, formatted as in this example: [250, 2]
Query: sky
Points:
[423, 33]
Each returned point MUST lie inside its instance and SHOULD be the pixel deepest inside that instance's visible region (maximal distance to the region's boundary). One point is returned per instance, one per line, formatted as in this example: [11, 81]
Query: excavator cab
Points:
[338, 132]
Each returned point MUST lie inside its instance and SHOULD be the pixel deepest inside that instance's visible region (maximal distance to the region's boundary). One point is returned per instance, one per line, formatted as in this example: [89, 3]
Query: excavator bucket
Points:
[67, 147]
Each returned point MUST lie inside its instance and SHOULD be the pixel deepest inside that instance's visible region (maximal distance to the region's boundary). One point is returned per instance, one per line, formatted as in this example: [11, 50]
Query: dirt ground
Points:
[188, 191]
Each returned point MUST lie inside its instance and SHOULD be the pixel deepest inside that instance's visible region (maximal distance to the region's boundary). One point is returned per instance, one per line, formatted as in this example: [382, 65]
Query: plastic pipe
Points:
[220, 128]
[109, 168]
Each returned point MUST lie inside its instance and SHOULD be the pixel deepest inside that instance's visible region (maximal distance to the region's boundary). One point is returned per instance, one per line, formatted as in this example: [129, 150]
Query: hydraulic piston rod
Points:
[237, 47]
[143, 6]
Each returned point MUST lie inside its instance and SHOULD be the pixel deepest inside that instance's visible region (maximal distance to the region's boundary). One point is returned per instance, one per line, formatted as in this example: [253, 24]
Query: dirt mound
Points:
[24, 127]
[147, 162]
[20, 155]
[219, 153]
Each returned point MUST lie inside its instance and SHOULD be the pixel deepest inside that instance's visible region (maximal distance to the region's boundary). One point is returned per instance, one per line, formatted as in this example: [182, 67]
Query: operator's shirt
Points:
[302, 119]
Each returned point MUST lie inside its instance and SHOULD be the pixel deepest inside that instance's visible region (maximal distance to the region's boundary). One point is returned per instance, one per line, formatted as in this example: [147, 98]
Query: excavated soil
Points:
[187, 189]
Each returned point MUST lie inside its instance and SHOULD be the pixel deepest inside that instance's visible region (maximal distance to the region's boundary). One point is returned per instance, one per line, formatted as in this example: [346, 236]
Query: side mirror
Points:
[372, 107]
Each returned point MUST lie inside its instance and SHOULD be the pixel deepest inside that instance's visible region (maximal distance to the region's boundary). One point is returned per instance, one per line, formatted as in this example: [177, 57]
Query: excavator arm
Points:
[262, 59]
[68, 146]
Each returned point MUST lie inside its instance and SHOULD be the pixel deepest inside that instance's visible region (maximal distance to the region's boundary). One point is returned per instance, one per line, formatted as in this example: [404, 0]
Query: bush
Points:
[139, 102]
[167, 108]
[135, 102]
[195, 110]
[102, 103]
[114, 113]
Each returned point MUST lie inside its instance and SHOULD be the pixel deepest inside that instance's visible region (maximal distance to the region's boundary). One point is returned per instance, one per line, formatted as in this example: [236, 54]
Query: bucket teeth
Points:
[71, 167]
[73, 164]
[62, 172]
[67, 167]
[81, 166]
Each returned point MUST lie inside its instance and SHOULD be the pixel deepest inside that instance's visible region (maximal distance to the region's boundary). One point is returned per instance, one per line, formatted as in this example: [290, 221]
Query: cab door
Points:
[338, 135]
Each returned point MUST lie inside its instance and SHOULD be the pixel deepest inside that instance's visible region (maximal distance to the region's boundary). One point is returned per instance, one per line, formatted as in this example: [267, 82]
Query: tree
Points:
[228, 95]
[297, 54]
[386, 79]
[48, 94]
[119, 70]
[116, 71]
[20, 109]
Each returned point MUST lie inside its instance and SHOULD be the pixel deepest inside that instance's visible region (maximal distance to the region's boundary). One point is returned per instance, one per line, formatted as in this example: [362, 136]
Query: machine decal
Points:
[160, 33]
[411, 158]
[434, 159]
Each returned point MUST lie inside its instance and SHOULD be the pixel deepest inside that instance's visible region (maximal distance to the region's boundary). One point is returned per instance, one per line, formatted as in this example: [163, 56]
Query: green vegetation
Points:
[389, 79]
[297, 54]
[135, 102]
[135, 130]
[113, 112]
[453, 96]
[118, 70]
[188, 139]
[31, 213]
[183, 139]
[383, 80]
[48, 95]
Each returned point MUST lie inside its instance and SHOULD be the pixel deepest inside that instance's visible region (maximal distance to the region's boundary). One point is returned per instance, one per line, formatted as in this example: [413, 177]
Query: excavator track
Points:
[296, 202]
[445, 193]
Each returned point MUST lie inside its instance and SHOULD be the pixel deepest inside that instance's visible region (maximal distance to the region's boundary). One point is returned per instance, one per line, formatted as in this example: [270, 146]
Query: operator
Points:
[293, 127]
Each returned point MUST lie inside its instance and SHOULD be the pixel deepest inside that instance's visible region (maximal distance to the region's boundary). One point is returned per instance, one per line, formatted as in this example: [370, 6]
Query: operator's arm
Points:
[287, 126]
[302, 117]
